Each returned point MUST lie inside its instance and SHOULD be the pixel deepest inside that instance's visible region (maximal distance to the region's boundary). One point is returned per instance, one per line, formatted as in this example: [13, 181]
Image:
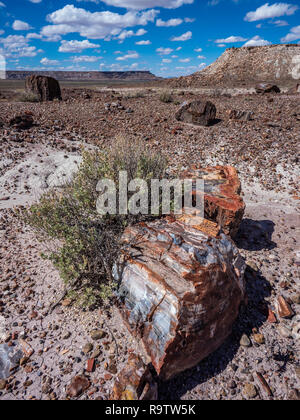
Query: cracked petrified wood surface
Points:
[181, 288]
[222, 201]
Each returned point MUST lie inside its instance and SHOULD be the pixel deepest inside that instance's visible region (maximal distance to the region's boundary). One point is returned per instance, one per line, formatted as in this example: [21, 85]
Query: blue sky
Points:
[167, 37]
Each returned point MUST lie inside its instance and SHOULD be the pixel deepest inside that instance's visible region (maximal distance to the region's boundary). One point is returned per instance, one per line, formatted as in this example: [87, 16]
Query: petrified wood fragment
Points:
[263, 88]
[181, 287]
[135, 382]
[222, 201]
[46, 88]
[197, 112]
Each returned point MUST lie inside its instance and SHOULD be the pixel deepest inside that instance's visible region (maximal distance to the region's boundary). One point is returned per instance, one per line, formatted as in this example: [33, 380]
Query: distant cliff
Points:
[274, 63]
[85, 75]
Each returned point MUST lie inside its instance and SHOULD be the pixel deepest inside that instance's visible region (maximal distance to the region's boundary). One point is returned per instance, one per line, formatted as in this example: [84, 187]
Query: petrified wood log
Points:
[46, 88]
[181, 287]
[222, 201]
[197, 112]
[263, 88]
[135, 382]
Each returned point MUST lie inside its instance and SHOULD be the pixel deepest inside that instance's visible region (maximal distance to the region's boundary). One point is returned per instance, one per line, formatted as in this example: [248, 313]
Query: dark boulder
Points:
[22, 122]
[197, 112]
[46, 88]
[264, 88]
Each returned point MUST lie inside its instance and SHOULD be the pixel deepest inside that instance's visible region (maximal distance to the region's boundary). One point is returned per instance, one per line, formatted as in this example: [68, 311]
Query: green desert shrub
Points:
[166, 97]
[29, 97]
[86, 245]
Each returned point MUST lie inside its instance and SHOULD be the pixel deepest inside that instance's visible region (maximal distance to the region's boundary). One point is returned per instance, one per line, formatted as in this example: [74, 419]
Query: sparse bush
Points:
[166, 97]
[29, 97]
[135, 94]
[86, 244]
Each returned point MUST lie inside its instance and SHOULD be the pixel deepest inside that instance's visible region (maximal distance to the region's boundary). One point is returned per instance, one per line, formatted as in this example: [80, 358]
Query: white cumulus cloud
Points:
[257, 41]
[294, 35]
[268, 11]
[97, 25]
[19, 25]
[76, 46]
[184, 37]
[147, 4]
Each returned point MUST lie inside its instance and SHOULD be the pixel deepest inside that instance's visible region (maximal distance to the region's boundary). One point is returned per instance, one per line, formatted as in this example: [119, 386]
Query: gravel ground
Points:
[264, 151]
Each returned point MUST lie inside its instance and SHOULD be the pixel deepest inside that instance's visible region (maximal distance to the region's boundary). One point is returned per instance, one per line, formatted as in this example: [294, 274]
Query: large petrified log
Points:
[46, 88]
[135, 382]
[181, 286]
[222, 201]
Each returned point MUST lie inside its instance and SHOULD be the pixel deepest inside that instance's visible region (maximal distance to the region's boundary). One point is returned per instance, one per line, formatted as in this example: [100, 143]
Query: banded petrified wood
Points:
[222, 201]
[181, 287]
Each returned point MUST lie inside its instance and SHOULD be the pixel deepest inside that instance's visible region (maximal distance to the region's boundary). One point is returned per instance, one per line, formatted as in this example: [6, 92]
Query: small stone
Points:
[27, 384]
[271, 317]
[78, 385]
[252, 265]
[96, 353]
[297, 370]
[259, 338]
[112, 368]
[249, 391]
[283, 308]
[87, 348]
[98, 335]
[284, 331]
[26, 348]
[66, 302]
[2, 384]
[245, 341]
[90, 366]
[23, 361]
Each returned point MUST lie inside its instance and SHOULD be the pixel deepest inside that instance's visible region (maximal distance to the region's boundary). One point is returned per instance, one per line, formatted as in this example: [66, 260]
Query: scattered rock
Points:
[2, 384]
[249, 391]
[259, 338]
[87, 348]
[90, 366]
[283, 308]
[240, 115]
[264, 384]
[98, 335]
[22, 122]
[78, 385]
[245, 341]
[26, 348]
[271, 317]
[264, 88]
[197, 112]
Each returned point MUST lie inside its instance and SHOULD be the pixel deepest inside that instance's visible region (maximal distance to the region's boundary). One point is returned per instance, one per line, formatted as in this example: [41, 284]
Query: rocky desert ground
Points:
[41, 352]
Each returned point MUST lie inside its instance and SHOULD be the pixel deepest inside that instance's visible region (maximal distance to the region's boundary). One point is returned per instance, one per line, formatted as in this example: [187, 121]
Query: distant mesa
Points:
[85, 75]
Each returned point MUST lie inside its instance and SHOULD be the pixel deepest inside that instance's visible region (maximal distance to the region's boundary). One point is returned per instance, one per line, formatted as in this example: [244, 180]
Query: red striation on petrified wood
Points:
[181, 287]
[222, 201]
[135, 382]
